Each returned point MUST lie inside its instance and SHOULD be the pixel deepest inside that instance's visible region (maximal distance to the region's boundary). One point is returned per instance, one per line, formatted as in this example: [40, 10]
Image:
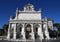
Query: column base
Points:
[14, 36]
[23, 36]
[47, 36]
[41, 36]
[32, 36]
[8, 36]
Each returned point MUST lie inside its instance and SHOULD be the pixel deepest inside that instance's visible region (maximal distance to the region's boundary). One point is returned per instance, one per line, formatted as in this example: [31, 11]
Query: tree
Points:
[1, 32]
[5, 29]
[58, 28]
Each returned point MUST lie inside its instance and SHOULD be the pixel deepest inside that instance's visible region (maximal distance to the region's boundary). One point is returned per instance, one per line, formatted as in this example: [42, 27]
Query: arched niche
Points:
[28, 31]
[28, 28]
[36, 26]
[19, 30]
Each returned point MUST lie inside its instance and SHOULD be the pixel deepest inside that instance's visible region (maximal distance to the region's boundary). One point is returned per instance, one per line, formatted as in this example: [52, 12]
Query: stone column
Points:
[32, 33]
[46, 29]
[8, 35]
[40, 33]
[14, 35]
[46, 32]
[23, 32]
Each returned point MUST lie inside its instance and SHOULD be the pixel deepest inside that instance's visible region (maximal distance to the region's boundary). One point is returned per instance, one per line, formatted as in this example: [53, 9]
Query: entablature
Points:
[28, 21]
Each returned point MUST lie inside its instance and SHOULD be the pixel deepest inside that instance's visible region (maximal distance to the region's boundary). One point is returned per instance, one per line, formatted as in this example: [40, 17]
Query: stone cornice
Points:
[30, 12]
[27, 21]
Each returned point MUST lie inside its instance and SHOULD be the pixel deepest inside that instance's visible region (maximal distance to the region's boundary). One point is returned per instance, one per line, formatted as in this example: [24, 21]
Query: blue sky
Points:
[50, 9]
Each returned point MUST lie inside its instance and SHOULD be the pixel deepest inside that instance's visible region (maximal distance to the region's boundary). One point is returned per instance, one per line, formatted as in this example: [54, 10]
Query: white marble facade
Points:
[29, 24]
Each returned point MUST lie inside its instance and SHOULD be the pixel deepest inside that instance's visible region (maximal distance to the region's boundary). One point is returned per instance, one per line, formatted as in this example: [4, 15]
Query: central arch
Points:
[28, 31]
[36, 26]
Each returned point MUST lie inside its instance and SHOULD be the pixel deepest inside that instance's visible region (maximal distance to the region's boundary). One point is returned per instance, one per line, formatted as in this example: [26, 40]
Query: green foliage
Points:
[58, 26]
[1, 32]
[5, 29]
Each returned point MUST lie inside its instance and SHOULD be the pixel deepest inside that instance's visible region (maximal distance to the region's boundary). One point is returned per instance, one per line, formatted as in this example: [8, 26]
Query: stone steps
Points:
[37, 40]
[31, 41]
